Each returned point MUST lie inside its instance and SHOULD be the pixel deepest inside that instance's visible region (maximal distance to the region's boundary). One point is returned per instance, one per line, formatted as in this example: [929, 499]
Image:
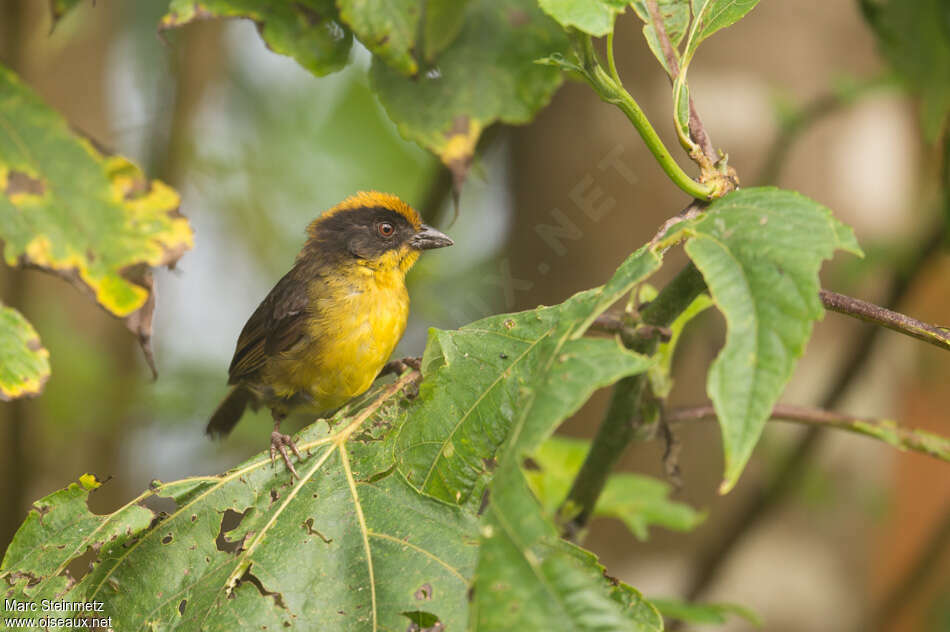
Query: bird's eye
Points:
[386, 229]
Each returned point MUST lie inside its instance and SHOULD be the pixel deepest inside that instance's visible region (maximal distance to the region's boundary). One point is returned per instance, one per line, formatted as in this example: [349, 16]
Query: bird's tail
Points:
[229, 412]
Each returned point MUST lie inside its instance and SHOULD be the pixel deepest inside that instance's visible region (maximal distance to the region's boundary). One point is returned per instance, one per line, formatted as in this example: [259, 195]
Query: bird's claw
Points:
[279, 443]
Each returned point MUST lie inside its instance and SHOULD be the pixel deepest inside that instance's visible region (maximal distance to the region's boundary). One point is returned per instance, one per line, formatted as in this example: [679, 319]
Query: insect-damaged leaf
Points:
[760, 251]
[350, 547]
[94, 220]
[24, 363]
[486, 74]
[307, 30]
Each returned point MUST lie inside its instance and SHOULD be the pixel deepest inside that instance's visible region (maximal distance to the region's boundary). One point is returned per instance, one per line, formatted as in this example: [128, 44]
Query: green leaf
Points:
[710, 16]
[443, 21]
[350, 547]
[660, 374]
[703, 613]
[595, 17]
[387, 27]
[477, 379]
[676, 17]
[24, 363]
[487, 74]
[307, 30]
[529, 579]
[404, 32]
[760, 251]
[639, 501]
[94, 220]
[914, 36]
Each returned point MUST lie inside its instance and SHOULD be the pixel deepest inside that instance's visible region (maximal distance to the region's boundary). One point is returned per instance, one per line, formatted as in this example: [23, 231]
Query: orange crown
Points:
[371, 199]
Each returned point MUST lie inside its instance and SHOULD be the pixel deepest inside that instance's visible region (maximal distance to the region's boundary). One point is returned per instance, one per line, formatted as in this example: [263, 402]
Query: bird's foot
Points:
[279, 443]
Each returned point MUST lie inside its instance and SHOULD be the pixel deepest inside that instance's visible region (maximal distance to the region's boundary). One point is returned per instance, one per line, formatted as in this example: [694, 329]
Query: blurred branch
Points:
[793, 126]
[895, 321]
[882, 616]
[15, 415]
[883, 429]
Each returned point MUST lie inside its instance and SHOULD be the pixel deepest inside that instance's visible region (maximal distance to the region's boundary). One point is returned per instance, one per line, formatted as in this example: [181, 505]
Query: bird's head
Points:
[375, 229]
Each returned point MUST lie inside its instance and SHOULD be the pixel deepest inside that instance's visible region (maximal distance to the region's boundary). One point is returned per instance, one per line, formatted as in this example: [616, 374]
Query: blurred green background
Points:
[258, 147]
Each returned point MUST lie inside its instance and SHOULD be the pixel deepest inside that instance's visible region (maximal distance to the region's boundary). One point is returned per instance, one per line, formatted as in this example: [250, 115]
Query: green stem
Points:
[611, 91]
[611, 64]
[623, 421]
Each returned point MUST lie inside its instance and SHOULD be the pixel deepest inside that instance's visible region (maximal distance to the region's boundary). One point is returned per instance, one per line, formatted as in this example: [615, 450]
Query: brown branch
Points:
[697, 131]
[883, 429]
[895, 321]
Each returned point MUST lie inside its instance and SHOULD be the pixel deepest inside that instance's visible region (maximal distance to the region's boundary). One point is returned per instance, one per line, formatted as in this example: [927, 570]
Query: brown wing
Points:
[275, 326]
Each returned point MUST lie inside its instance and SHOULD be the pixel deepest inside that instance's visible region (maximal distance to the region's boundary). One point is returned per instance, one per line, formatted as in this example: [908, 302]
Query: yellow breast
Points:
[358, 318]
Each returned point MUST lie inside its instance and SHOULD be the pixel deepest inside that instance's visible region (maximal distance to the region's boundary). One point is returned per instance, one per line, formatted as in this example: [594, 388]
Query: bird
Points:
[323, 333]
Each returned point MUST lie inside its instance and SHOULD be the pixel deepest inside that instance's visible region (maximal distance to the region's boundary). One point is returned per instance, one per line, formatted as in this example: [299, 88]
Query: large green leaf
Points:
[529, 579]
[595, 17]
[92, 219]
[760, 251]
[487, 74]
[307, 30]
[639, 501]
[476, 377]
[24, 363]
[402, 33]
[915, 37]
[350, 547]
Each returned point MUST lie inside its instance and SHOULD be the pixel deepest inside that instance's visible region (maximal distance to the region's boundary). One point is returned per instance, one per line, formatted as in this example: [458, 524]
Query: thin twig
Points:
[895, 321]
[883, 429]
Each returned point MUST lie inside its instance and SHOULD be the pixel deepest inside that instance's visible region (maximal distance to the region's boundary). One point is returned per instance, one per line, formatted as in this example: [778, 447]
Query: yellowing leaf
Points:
[24, 363]
[94, 220]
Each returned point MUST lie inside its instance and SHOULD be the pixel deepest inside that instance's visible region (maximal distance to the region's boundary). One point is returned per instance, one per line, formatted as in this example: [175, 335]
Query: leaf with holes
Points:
[24, 363]
[760, 251]
[92, 219]
[310, 31]
[486, 74]
[477, 377]
[352, 546]
[638, 501]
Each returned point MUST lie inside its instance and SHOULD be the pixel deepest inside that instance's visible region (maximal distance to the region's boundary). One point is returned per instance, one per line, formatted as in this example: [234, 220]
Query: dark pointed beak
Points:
[428, 238]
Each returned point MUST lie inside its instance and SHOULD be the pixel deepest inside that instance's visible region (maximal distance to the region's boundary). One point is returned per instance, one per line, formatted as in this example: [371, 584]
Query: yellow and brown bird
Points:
[321, 336]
